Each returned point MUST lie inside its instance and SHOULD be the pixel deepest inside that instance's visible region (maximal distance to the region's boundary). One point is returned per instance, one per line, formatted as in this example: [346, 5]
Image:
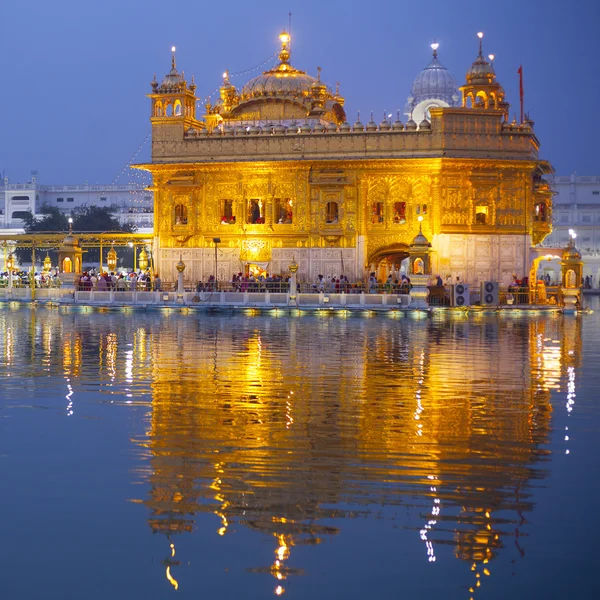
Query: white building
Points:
[130, 203]
[576, 206]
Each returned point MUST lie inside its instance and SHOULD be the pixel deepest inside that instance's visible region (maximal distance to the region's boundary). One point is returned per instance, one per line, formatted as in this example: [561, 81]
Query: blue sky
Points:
[75, 73]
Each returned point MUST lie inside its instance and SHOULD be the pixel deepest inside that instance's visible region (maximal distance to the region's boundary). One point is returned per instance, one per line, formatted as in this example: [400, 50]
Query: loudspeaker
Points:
[490, 293]
[461, 295]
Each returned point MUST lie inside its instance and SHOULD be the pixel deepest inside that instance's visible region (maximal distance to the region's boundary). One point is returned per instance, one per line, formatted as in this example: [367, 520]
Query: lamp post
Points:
[216, 242]
[132, 245]
[111, 259]
[10, 264]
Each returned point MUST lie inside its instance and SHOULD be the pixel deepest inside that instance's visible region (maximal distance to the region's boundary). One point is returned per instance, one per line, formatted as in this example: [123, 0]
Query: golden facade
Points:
[275, 172]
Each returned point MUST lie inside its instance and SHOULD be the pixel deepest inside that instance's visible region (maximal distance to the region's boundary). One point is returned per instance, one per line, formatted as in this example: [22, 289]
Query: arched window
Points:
[377, 212]
[400, 212]
[67, 266]
[177, 109]
[418, 266]
[283, 211]
[540, 213]
[180, 216]
[169, 110]
[255, 212]
[332, 213]
[227, 216]
[481, 215]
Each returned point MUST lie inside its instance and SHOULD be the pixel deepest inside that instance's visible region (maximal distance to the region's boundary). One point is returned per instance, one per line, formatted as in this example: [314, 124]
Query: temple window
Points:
[332, 213]
[377, 212]
[227, 216]
[421, 209]
[418, 266]
[400, 212]
[481, 215]
[283, 211]
[540, 212]
[169, 110]
[180, 215]
[255, 212]
[177, 110]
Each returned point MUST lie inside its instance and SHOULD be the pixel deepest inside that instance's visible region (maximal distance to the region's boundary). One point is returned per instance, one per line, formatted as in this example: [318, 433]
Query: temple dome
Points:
[283, 93]
[280, 81]
[433, 86]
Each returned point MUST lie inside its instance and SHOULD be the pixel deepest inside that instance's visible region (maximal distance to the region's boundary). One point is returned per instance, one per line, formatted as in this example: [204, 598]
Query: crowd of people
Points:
[141, 281]
[20, 279]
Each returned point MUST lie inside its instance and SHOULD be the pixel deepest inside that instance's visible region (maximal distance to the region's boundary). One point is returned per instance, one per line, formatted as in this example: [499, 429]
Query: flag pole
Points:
[520, 71]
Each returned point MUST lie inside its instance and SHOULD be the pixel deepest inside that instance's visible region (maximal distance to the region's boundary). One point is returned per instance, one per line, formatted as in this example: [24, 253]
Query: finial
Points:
[70, 225]
[358, 115]
[284, 53]
[434, 47]
[226, 77]
[371, 115]
[398, 115]
[480, 36]
[337, 88]
[420, 219]
[319, 74]
[173, 57]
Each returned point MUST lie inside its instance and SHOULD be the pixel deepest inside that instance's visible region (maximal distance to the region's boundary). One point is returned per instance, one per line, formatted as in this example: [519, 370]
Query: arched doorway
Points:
[388, 260]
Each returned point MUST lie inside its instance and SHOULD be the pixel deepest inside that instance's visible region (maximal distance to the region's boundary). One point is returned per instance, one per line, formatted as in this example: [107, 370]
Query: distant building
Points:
[576, 206]
[130, 203]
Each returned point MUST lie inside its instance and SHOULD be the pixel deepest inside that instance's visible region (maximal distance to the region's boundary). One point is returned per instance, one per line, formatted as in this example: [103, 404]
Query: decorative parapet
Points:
[454, 133]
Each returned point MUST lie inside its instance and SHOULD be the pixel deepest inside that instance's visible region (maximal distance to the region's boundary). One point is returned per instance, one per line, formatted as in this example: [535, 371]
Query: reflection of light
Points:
[570, 399]
[170, 578]
[69, 400]
[435, 511]
[279, 590]
[129, 366]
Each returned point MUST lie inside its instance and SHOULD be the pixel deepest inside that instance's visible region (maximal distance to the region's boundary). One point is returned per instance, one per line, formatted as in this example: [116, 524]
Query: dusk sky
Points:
[75, 73]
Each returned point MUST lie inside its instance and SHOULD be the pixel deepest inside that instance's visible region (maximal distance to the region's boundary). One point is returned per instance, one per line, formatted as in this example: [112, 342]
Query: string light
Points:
[264, 63]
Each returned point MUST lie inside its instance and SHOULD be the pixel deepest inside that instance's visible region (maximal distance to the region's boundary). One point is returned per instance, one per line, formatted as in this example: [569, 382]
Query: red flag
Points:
[520, 72]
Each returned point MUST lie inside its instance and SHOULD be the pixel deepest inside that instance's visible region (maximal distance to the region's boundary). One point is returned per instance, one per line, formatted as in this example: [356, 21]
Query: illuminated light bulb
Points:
[480, 34]
[173, 48]
[435, 46]
[225, 75]
[420, 218]
[492, 56]
[279, 590]
[284, 37]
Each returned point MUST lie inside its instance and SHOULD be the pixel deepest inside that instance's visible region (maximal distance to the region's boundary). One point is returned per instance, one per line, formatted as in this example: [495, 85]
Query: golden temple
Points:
[273, 172]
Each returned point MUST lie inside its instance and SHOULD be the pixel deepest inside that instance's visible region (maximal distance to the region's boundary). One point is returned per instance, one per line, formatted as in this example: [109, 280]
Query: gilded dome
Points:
[571, 253]
[297, 96]
[280, 81]
[174, 81]
[481, 71]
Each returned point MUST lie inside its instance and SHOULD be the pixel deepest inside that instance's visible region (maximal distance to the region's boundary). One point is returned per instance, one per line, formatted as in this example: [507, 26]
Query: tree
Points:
[91, 219]
[53, 220]
[96, 219]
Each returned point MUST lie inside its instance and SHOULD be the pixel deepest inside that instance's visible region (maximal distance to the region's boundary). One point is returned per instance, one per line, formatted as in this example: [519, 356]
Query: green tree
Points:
[91, 219]
[52, 220]
[96, 219]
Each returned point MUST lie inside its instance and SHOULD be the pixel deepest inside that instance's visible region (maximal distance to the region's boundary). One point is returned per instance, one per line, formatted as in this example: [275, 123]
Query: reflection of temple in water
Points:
[250, 425]
[408, 418]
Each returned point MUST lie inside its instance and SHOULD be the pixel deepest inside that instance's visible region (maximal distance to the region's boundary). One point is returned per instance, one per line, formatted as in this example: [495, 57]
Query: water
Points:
[155, 455]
